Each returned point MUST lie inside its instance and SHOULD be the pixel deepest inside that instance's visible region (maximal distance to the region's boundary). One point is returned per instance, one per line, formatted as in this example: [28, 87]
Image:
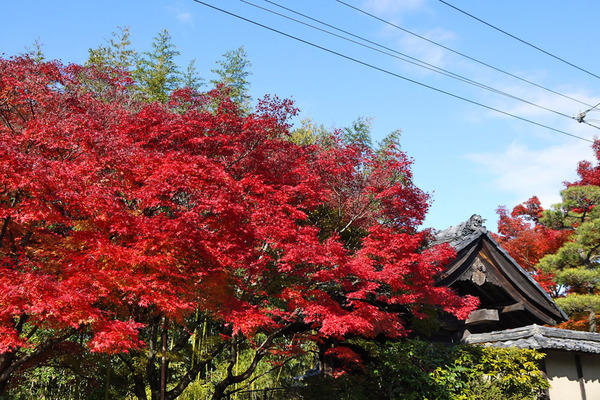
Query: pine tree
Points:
[156, 72]
[117, 53]
[36, 51]
[359, 132]
[190, 78]
[577, 263]
[233, 74]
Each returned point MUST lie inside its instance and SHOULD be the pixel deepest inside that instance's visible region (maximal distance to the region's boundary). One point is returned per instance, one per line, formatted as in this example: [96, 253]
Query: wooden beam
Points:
[521, 288]
[580, 377]
[513, 307]
[482, 316]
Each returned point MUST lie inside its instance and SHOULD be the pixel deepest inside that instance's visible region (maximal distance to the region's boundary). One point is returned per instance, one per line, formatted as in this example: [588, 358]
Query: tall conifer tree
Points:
[233, 72]
[156, 72]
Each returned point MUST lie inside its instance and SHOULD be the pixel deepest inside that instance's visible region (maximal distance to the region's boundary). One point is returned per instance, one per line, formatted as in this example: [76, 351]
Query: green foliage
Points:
[577, 303]
[391, 141]
[309, 132]
[76, 374]
[156, 72]
[266, 381]
[411, 370]
[117, 53]
[576, 264]
[508, 372]
[233, 73]
[359, 132]
[36, 51]
[420, 370]
[190, 77]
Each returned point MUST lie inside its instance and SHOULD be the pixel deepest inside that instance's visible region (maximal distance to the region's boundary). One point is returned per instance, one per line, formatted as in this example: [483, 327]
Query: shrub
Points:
[421, 370]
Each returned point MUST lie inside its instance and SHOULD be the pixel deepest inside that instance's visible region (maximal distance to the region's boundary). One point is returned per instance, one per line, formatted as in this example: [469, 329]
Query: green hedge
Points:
[421, 370]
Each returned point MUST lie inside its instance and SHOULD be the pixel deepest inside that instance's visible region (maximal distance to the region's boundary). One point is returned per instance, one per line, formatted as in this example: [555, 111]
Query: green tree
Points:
[116, 53]
[576, 264]
[421, 370]
[35, 51]
[156, 72]
[111, 60]
[310, 132]
[190, 78]
[391, 141]
[233, 72]
[359, 132]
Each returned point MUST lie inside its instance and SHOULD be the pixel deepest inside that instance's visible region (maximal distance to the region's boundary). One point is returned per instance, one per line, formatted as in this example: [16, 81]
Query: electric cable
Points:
[390, 72]
[461, 54]
[417, 62]
[580, 118]
[520, 40]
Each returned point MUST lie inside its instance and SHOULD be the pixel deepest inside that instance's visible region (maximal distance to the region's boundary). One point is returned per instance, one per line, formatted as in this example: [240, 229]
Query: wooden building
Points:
[509, 296]
[572, 362]
[513, 307]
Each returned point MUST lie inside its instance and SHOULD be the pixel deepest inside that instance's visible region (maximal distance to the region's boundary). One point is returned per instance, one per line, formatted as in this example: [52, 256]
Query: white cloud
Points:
[545, 99]
[412, 44]
[184, 17]
[522, 172]
[540, 107]
[179, 12]
[393, 6]
[426, 51]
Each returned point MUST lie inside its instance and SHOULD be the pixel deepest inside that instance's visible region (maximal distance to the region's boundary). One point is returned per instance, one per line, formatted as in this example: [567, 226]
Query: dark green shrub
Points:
[420, 370]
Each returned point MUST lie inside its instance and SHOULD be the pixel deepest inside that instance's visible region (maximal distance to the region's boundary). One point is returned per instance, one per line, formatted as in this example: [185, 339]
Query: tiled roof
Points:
[539, 337]
[467, 233]
[461, 235]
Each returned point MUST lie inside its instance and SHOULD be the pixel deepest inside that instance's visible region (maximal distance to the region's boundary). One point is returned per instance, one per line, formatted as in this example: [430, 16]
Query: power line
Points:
[417, 62]
[582, 115]
[520, 40]
[461, 54]
[390, 72]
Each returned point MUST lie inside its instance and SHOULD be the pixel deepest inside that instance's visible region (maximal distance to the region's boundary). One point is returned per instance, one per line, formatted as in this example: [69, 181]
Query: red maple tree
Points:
[522, 235]
[122, 219]
[589, 174]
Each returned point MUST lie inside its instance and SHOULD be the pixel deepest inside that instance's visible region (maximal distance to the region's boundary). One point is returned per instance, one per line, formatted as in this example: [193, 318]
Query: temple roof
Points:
[463, 234]
[510, 297]
[539, 337]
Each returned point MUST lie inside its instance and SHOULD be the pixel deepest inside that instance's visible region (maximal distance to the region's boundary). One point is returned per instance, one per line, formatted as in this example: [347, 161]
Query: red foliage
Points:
[589, 174]
[576, 323]
[113, 212]
[527, 241]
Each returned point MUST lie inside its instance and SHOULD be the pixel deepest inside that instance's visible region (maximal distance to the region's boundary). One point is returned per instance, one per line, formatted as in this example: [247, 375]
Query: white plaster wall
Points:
[562, 374]
[590, 366]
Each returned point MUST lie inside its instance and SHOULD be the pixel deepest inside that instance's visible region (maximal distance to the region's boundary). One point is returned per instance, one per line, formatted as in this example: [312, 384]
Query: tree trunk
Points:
[3, 382]
[107, 386]
[325, 361]
[592, 321]
[152, 372]
[193, 373]
[139, 388]
[163, 361]
[220, 390]
[5, 370]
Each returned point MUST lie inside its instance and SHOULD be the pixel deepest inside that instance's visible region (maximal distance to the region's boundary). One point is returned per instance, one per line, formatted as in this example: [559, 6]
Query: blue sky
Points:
[469, 158]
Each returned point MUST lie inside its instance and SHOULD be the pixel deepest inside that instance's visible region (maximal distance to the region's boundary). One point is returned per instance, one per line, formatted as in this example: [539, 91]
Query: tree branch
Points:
[4, 228]
[5, 374]
[193, 372]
